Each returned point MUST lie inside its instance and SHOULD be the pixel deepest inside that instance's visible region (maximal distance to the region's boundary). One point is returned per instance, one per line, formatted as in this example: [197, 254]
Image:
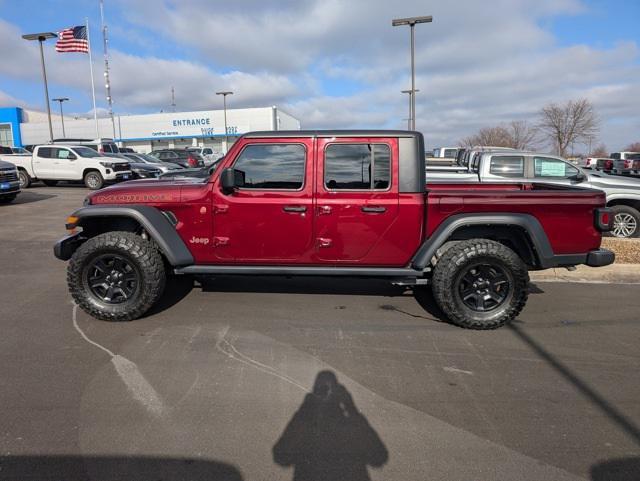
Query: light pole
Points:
[226, 133]
[61, 99]
[410, 106]
[411, 21]
[41, 38]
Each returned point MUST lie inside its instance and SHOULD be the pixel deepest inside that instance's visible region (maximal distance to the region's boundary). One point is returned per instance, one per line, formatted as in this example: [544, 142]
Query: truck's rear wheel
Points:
[93, 180]
[480, 284]
[116, 276]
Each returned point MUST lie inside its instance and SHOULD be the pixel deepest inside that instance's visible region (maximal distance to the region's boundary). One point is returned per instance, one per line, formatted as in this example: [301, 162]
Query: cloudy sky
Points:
[340, 63]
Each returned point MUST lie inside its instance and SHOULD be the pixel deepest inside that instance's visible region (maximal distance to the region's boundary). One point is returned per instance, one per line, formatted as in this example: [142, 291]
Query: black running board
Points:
[301, 271]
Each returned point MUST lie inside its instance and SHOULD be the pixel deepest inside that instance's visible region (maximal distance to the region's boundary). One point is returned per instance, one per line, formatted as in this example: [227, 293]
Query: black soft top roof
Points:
[331, 133]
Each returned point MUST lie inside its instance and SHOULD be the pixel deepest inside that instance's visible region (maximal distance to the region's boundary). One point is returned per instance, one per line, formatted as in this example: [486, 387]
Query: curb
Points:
[613, 274]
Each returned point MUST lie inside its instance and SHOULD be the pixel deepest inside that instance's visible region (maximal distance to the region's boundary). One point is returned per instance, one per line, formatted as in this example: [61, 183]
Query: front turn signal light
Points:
[71, 224]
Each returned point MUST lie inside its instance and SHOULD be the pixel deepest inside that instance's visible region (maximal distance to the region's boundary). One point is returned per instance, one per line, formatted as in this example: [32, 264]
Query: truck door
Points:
[357, 198]
[44, 162]
[270, 218]
[67, 165]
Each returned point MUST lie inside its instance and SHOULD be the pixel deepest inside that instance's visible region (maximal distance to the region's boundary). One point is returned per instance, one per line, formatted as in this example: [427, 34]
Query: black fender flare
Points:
[157, 225]
[540, 242]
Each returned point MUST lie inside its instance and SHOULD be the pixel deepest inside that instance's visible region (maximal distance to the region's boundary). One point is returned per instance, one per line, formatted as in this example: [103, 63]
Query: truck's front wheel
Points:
[480, 284]
[116, 276]
[93, 180]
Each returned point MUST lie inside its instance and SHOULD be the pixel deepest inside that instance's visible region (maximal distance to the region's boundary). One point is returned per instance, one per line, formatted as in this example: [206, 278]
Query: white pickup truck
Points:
[53, 163]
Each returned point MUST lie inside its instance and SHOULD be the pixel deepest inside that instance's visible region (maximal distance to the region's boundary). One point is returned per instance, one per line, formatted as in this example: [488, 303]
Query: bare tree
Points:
[600, 151]
[635, 147]
[523, 136]
[495, 136]
[518, 134]
[572, 122]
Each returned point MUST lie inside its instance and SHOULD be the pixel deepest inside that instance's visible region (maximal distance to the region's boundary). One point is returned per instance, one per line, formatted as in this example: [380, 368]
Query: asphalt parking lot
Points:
[214, 384]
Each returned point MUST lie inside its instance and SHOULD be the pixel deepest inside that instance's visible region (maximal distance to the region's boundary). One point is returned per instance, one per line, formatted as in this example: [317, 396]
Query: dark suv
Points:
[182, 157]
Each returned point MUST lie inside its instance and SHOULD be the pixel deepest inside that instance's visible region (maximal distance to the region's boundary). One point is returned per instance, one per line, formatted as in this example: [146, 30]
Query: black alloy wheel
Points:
[483, 287]
[112, 279]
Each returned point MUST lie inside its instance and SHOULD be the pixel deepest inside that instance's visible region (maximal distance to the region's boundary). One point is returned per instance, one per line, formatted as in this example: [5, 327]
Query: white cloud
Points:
[478, 63]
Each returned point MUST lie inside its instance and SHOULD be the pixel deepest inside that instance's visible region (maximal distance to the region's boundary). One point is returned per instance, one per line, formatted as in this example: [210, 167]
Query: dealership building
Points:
[147, 132]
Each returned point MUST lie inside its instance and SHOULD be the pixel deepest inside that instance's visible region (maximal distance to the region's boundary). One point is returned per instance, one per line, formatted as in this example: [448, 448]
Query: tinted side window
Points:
[507, 166]
[450, 153]
[615, 156]
[45, 152]
[111, 148]
[272, 166]
[546, 167]
[207, 151]
[350, 166]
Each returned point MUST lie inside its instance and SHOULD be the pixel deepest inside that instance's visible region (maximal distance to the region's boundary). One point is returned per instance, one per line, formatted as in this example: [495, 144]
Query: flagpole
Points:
[93, 86]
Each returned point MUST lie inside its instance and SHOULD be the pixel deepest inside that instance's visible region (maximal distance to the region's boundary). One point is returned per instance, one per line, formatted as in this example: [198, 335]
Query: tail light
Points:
[604, 219]
[101, 149]
[192, 161]
[609, 164]
[627, 164]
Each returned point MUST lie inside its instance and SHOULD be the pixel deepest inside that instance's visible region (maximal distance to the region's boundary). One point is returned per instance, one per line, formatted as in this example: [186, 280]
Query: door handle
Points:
[376, 209]
[294, 208]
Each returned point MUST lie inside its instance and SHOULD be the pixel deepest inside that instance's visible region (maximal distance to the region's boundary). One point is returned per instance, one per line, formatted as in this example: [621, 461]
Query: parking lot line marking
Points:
[141, 390]
[84, 336]
[454, 369]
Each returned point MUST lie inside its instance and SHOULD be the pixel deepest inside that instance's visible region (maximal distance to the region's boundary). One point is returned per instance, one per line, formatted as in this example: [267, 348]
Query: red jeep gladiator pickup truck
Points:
[330, 203]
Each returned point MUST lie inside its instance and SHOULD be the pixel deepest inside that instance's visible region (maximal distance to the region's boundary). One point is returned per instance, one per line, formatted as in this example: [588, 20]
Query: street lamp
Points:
[61, 99]
[226, 133]
[410, 92]
[41, 38]
[412, 21]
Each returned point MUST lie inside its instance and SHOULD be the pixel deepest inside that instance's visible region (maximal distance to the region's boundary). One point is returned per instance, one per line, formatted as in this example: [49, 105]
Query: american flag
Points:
[73, 39]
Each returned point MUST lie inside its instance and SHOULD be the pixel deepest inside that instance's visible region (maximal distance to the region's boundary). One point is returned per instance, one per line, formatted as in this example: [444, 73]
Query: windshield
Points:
[86, 152]
[149, 158]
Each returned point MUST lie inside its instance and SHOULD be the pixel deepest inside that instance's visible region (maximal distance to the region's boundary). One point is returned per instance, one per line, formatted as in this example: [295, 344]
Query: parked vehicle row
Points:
[52, 163]
[95, 162]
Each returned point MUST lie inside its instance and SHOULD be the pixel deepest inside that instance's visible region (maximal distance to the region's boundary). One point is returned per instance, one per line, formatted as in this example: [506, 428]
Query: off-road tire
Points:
[93, 180]
[456, 260]
[628, 213]
[50, 183]
[7, 199]
[140, 253]
[25, 179]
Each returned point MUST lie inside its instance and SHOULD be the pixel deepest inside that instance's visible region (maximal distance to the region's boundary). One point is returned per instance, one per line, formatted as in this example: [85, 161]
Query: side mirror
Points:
[579, 177]
[230, 179]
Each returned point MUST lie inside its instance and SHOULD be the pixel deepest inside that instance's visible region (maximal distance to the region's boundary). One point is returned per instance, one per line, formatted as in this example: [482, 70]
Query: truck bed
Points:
[567, 214]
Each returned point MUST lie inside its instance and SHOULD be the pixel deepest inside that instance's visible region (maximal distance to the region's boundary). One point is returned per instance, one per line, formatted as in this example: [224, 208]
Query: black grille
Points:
[120, 167]
[8, 175]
